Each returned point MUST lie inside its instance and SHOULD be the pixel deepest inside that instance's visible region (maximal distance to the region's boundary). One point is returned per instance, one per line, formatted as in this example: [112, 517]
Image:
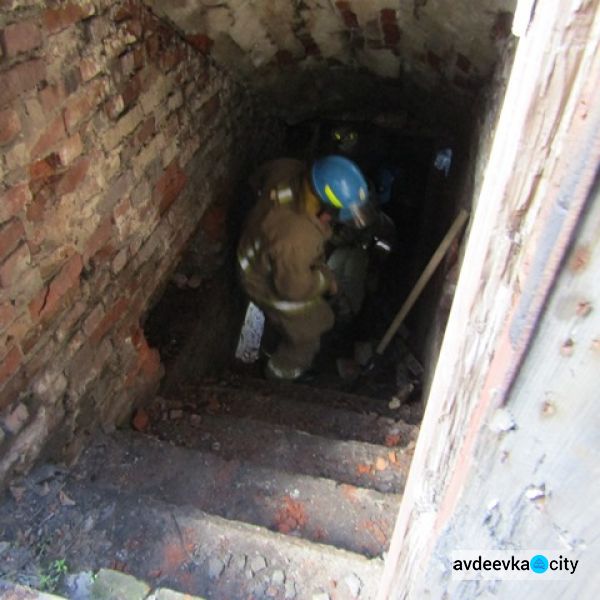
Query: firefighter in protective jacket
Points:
[282, 250]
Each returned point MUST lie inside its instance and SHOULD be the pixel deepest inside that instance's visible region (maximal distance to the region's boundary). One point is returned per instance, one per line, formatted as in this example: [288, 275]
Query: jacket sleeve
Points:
[299, 274]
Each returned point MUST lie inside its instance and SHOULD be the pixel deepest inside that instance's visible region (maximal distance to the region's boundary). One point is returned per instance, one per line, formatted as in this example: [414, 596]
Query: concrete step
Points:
[342, 398]
[291, 405]
[318, 509]
[89, 527]
[106, 584]
[353, 462]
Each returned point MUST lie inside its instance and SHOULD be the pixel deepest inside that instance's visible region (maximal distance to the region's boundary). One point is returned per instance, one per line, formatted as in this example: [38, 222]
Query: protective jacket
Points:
[282, 262]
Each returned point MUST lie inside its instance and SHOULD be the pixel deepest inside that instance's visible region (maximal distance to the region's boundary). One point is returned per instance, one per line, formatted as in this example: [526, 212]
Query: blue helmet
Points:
[340, 184]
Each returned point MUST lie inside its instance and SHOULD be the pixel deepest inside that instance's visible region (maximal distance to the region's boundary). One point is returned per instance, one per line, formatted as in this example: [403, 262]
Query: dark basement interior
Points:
[150, 451]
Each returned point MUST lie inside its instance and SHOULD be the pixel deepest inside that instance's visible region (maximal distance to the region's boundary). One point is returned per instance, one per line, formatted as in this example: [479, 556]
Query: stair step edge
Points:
[360, 463]
[174, 448]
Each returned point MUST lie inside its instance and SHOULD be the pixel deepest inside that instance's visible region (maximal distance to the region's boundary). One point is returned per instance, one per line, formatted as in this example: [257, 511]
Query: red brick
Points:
[10, 126]
[349, 17]
[55, 19]
[136, 334]
[145, 131]
[10, 364]
[139, 57]
[153, 46]
[201, 42]
[48, 301]
[69, 150]
[88, 68]
[83, 106]
[73, 177]
[391, 34]
[98, 239]
[13, 201]
[11, 234]
[21, 78]
[20, 37]
[132, 90]
[37, 207]
[141, 420]
[46, 171]
[121, 209]
[170, 58]
[169, 186]
[111, 318]
[147, 364]
[150, 362]
[52, 96]
[124, 12]
[54, 133]
[7, 315]
[42, 170]
[14, 265]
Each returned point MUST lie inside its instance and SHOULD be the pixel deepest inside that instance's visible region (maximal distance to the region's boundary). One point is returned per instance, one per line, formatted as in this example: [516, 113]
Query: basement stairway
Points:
[243, 489]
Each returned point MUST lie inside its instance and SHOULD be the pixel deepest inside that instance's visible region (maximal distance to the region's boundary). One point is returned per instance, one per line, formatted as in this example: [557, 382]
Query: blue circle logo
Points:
[539, 563]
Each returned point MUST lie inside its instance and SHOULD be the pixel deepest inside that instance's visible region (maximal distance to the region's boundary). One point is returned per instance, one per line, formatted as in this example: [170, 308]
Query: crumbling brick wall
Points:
[430, 56]
[115, 135]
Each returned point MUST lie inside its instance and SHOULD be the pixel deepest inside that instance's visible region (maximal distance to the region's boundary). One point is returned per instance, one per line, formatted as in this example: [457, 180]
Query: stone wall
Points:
[115, 135]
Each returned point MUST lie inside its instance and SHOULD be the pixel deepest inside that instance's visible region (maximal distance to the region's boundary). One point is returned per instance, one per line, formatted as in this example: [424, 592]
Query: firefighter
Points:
[282, 251]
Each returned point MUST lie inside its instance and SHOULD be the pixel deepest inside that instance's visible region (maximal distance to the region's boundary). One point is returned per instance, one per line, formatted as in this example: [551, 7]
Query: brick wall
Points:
[425, 55]
[115, 134]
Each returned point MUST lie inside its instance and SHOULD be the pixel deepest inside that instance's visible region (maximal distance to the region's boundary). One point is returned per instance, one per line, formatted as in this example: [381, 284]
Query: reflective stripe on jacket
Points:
[281, 252]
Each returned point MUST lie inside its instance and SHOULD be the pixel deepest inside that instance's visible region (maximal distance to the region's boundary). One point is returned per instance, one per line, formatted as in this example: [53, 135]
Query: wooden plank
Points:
[538, 178]
[423, 280]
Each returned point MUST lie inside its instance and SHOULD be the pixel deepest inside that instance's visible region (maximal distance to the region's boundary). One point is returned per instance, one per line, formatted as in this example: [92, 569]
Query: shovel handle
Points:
[429, 270]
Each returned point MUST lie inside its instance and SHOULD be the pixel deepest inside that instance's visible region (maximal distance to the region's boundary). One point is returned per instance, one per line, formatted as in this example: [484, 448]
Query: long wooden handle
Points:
[453, 232]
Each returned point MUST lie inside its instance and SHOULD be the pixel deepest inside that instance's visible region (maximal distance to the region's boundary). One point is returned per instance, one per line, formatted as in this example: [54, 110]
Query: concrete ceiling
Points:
[345, 54]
